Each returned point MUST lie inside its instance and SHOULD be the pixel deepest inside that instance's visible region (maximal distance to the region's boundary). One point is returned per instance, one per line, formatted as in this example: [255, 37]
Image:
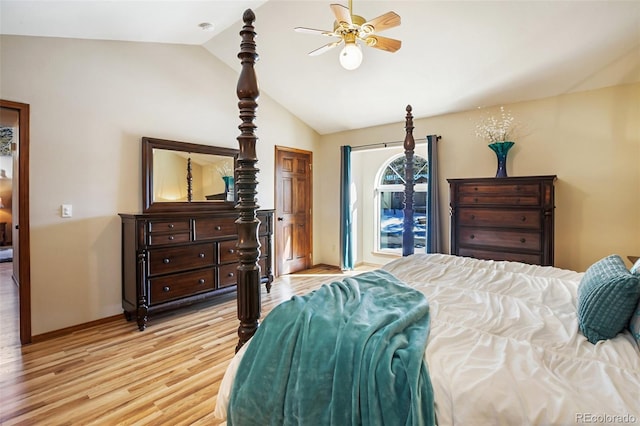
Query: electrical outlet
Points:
[66, 210]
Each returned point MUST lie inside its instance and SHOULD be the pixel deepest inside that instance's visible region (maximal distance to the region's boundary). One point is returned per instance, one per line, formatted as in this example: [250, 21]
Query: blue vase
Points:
[501, 149]
[228, 182]
[228, 188]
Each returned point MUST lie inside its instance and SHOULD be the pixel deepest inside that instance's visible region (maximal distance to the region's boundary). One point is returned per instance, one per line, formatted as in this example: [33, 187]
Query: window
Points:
[389, 199]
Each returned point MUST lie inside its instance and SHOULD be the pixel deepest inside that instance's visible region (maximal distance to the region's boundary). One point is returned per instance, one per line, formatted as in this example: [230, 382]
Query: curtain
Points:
[346, 230]
[434, 235]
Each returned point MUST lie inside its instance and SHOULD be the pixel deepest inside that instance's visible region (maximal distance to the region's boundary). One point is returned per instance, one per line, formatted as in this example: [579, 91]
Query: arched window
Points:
[389, 200]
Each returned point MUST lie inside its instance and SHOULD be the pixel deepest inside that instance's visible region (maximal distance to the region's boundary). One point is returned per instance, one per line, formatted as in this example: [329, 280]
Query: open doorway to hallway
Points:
[14, 206]
[9, 296]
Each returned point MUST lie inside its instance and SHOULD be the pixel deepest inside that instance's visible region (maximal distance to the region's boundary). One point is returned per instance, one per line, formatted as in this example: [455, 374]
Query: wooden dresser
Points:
[503, 218]
[172, 259]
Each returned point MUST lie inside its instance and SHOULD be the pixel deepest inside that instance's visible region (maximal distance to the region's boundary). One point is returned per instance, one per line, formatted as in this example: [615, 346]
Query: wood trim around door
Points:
[23, 256]
[305, 260]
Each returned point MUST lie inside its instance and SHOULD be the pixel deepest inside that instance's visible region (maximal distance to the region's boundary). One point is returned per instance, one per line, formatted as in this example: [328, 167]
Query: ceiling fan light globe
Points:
[351, 56]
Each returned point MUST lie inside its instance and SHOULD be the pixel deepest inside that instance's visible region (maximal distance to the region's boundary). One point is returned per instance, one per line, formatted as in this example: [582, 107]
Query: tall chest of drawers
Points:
[503, 218]
[173, 259]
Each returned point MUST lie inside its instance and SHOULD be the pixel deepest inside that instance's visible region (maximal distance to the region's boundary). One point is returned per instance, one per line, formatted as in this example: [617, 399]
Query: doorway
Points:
[14, 122]
[293, 199]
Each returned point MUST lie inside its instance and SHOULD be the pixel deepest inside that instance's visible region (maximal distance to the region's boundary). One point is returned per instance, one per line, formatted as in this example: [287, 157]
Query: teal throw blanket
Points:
[348, 353]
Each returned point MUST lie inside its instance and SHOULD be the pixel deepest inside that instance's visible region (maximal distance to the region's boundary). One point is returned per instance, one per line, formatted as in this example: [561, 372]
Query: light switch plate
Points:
[66, 210]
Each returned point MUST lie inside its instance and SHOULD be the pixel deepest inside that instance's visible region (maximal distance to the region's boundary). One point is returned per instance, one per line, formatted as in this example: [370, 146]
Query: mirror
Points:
[186, 176]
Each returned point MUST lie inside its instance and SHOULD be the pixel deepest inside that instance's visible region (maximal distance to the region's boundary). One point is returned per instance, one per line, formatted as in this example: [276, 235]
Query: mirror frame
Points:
[148, 145]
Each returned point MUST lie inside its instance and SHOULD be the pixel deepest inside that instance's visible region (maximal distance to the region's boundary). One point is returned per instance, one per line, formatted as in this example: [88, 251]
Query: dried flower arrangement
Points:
[497, 129]
[225, 170]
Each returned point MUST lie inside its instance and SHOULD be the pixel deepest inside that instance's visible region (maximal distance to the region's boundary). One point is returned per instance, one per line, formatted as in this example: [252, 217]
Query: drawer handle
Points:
[472, 236]
[475, 200]
[171, 226]
[165, 260]
[171, 237]
[473, 217]
[475, 188]
[230, 274]
[166, 289]
[524, 218]
[232, 251]
[218, 227]
[201, 281]
[201, 255]
[522, 240]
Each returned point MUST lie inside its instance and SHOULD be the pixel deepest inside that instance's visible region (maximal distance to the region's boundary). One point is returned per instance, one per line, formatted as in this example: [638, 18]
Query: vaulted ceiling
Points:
[455, 55]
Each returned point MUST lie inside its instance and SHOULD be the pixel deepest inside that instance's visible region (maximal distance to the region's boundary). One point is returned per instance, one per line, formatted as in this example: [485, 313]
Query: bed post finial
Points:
[409, 147]
[247, 223]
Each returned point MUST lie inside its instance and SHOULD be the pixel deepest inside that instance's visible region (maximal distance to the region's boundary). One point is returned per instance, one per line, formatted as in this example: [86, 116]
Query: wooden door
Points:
[293, 230]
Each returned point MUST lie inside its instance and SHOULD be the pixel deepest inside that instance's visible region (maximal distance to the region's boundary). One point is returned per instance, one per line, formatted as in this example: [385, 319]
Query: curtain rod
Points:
[388, 144]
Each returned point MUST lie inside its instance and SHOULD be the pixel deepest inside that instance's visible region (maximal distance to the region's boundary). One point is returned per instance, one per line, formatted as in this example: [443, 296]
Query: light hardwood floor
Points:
[113, 374]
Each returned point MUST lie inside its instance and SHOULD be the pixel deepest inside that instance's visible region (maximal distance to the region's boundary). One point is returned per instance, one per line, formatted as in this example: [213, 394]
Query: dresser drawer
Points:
[500, 218]
[163, 289]
[511, 189]
[485, 199]
[263, 266]
[172, 259]
[509, 194]
[228, 252]
[533, 259]
[209, 228]
[168, 225]
[263, 246]
[500, 239]
[228, 274]
[162, 238]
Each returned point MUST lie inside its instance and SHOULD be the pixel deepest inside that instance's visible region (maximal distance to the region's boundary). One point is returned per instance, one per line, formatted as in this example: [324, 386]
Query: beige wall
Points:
[590, 140]
[91, 102]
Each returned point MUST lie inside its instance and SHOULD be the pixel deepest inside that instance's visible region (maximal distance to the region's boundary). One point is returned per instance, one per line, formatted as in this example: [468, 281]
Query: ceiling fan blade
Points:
[314, 32]
[324, 48]
[383, 43]
[383, 22]
[342, 13]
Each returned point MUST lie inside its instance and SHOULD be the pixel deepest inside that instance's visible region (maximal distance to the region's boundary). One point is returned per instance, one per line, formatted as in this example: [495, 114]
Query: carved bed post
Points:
[247, 223]
[409, 147]
[189, 181]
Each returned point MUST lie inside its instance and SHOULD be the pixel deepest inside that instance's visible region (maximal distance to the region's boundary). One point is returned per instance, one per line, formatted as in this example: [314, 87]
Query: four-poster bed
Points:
[498, 342]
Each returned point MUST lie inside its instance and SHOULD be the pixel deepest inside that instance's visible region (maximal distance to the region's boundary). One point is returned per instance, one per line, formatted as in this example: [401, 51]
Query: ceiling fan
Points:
[351, 29]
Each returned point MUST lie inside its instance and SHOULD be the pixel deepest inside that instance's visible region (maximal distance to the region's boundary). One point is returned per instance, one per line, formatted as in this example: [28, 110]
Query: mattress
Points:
[505, 348]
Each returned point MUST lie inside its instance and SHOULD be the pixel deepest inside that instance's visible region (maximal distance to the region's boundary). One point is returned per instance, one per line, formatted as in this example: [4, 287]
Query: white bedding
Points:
[505, 349]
